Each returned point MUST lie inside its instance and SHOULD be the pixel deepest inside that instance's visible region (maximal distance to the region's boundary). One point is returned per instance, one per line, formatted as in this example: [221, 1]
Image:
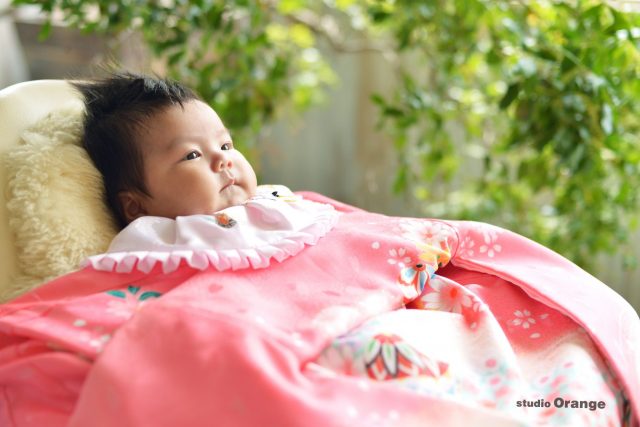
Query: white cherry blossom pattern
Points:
[490, 232]
[425, 231]
[523, 318]
[100, 342]
[484, 239]
[490, 246]
[399, 257]
[466, 247]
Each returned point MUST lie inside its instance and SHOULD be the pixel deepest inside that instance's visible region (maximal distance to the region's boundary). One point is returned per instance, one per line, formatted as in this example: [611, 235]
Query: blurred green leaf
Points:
[550, 91]
[510, 96]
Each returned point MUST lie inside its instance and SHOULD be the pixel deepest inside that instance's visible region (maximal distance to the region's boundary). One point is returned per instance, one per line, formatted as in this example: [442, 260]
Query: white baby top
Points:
[275, 223]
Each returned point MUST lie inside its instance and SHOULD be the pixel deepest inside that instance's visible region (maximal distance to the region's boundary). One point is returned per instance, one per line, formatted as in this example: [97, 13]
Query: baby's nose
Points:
[221, 161]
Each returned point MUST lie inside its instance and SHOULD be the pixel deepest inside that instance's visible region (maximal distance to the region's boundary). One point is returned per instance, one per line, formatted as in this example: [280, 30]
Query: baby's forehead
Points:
[191, 121]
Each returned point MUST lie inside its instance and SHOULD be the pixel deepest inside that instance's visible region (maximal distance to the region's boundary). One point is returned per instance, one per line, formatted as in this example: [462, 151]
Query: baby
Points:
[160, 149]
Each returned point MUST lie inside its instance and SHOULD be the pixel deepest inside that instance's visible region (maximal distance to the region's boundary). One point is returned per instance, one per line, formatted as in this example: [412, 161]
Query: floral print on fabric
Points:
[485, 241]
[482, 371]
[224, 220]
[413, 280]
[499, 382]
[431, 250]
[371, 352]
[442, 294]
[462, 358]
[567, 385]
[431, 239]
[128, 301]
[388, 356]
[490, 374]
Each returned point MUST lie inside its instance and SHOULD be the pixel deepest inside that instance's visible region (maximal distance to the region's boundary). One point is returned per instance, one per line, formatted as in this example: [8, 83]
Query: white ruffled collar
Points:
[275, 223]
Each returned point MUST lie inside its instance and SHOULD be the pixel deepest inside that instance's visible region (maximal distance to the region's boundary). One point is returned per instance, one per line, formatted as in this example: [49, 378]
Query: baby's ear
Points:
[132, 205]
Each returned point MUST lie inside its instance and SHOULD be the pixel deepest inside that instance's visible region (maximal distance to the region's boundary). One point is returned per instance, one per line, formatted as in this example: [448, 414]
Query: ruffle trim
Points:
[201, 259]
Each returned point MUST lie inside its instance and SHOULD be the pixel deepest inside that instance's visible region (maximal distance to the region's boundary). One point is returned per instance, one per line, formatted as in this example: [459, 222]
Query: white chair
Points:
[21, 105]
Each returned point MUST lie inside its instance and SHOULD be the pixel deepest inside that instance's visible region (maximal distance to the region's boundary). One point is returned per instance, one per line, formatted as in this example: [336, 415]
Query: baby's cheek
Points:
[251, 183]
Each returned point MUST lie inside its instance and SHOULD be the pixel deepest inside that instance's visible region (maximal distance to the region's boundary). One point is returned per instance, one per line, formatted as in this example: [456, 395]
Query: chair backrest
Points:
[22, 105]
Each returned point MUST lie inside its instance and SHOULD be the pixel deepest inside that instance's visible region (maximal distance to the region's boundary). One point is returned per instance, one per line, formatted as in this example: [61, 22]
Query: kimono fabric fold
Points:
[381, 321]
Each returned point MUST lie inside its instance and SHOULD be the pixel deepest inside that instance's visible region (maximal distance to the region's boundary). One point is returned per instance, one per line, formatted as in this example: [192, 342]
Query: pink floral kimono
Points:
[297, 310]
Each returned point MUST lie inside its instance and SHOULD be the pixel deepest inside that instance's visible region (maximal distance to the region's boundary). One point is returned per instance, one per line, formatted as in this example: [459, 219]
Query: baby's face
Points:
[190, 164]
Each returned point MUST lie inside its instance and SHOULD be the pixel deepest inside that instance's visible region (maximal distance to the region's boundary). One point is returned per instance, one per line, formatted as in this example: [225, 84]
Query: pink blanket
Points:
[497, 331]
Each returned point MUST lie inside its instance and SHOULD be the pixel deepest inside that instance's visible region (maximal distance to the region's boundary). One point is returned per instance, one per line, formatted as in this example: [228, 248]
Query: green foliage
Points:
[250, 59]
[538, 100]
[544, 95]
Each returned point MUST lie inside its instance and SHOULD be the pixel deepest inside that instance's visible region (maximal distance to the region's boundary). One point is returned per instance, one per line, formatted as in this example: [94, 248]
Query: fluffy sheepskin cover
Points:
[55, 201]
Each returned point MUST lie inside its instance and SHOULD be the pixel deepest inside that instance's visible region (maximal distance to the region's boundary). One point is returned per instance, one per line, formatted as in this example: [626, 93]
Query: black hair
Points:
[117, 108]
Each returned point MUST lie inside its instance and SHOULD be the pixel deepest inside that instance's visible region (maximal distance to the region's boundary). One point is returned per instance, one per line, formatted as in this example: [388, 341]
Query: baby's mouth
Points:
[228, 184]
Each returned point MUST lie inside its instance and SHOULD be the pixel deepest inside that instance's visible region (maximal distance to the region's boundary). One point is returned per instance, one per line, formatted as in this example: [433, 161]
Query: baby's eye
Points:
[227, 146]
[191, 156]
